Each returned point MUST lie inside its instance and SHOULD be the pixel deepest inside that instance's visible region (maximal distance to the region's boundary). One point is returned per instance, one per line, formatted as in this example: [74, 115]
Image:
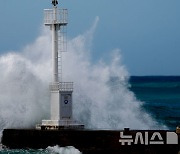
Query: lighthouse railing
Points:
[61, 86]
[60, 16]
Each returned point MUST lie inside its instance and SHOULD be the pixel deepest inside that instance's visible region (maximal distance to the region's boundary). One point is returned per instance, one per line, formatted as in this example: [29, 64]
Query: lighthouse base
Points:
[59, 124]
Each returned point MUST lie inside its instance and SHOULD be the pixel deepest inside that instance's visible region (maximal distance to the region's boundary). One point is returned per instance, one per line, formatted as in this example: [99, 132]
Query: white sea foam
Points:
[25, 75]
[63, 150]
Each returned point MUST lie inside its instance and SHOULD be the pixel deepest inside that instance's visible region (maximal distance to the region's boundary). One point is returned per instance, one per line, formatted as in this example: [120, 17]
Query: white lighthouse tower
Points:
[61, 92]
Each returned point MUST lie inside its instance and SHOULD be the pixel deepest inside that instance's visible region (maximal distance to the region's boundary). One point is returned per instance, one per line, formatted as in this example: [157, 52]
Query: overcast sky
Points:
[146, 31]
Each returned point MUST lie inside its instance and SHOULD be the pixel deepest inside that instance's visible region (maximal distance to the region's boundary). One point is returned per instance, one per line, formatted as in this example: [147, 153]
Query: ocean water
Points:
[161, 99]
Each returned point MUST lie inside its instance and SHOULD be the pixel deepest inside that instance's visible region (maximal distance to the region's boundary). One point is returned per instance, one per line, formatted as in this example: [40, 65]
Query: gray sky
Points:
[146, 31]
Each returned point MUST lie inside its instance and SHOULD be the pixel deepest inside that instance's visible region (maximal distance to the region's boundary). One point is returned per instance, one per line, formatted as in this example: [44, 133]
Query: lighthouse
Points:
[61, 92]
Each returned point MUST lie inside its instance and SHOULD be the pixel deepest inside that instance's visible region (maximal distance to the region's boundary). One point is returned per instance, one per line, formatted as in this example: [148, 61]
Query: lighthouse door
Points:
[66, 106]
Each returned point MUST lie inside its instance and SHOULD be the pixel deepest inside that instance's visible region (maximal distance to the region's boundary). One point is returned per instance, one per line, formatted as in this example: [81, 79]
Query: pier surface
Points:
[92, 141]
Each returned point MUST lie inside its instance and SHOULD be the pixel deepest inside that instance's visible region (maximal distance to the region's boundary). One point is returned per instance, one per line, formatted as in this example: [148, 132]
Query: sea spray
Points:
[24, 97]
[96, 104]
[63, 150]
[25, 76]
[48, 150]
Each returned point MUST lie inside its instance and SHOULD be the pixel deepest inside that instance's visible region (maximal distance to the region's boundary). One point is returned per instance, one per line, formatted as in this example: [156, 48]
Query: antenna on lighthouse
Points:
[61, 92]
